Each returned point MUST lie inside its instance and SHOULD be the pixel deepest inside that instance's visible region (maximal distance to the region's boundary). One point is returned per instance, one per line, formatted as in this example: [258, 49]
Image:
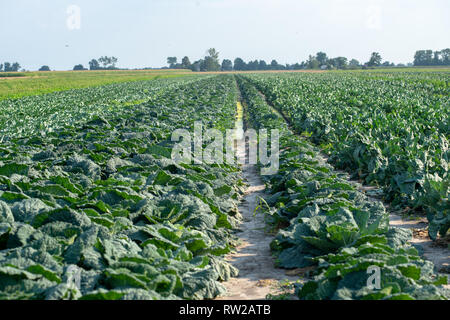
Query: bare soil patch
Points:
[258, 276]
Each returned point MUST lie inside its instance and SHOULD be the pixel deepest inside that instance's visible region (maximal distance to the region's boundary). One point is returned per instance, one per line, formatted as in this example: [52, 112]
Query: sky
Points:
[143, 33]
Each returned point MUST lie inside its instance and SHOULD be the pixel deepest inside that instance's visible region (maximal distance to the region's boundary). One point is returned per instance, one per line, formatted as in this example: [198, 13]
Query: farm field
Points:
[105, 202]
[45, 113]
[17, 85]
[92, 205]
[390, 130]
[332, 226]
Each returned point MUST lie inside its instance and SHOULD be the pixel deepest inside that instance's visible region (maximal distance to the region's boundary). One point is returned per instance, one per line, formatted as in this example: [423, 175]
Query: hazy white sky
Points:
[144, 32]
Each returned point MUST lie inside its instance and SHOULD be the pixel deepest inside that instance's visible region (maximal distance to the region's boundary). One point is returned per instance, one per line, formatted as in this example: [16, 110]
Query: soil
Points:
[258, 276]
[435, 251]
[8, 78]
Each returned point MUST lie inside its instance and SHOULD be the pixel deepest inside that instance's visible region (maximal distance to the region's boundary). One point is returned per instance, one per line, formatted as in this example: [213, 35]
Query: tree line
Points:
[211, 62]
[432, 58]
[9, 67]
[102, 63]
[318, 61]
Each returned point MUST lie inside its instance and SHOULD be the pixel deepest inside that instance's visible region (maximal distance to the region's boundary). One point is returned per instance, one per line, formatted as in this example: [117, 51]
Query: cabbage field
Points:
[93, 195]
[389, 130]
[92, 206]
[335, 227]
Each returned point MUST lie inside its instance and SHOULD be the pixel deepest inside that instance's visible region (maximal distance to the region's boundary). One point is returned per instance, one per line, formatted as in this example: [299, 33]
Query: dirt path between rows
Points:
[258, 276]
[436, 252]
[11, 78]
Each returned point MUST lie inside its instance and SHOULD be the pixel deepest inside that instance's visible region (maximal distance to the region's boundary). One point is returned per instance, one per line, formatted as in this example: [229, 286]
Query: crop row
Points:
[332, 227]
[44, 113]
[98, 210]
[389, 131]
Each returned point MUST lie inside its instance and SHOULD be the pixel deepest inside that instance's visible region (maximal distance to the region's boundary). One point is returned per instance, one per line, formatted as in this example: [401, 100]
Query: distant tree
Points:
[185, 63]
[313, 63]
[354, 63]
[1, 67]
[430, 58]
[172, 61]
[262, 65]
[78, 67]
[196, 65]
[445, 56]
[274, 65]
[239, 64]
[437, 58]
[213, 53]
[227, 65]
[7, 67]
[253, 65]
[322, 58]
[113, 62]
[15, 67]
[94, 65]
[332, 64]
[108, 62]
[419, 57]
[203, 67]
[105, 61]
[423, 58]
[211, 62]
[342, 62]
[44, 68]
[339, 62]
[375, 60]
